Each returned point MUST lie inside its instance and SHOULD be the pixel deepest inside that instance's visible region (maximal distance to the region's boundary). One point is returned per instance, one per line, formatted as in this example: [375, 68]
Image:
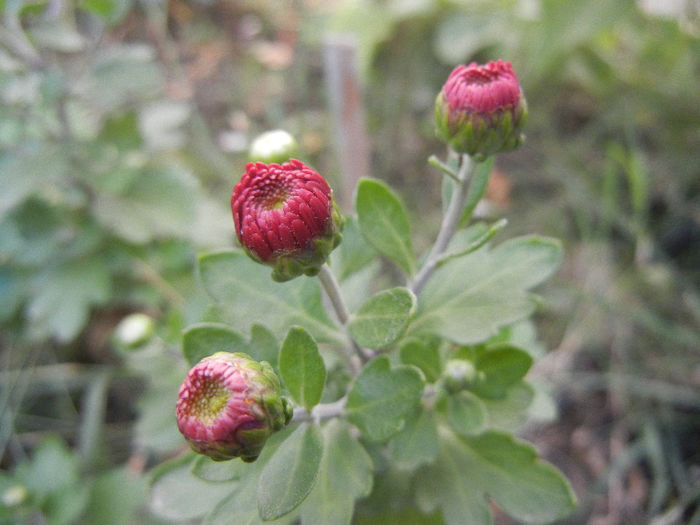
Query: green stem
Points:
[356, 354]
[449, 224]
[320, 412]
[332, 288]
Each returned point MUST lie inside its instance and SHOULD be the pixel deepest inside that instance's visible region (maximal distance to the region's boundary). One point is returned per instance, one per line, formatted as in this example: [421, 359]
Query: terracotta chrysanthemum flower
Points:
[285, 216]
[229, 405]
[481, 109]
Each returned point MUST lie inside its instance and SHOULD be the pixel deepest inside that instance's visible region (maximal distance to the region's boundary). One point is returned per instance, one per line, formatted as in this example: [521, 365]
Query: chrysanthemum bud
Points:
[273, 146]
[134, 330]
[458, 374]
[229, 405]
[285, 216]
[481, 109]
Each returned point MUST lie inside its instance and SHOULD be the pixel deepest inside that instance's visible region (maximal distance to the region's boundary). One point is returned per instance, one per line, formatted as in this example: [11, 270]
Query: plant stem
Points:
[332, 288]
[320, 412]
[449, 224]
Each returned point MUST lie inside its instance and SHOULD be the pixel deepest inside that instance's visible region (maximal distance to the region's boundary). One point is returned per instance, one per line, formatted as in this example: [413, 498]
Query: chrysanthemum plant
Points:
[352, 405]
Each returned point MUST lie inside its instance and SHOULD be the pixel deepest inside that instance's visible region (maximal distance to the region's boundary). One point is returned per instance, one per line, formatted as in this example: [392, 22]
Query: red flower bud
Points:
[481, 109]
[229, 405]
[285, 216]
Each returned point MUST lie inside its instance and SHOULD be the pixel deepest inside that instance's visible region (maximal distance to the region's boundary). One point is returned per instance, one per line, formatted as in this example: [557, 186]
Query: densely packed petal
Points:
[229, 405]
[481, 109]
[285, 216]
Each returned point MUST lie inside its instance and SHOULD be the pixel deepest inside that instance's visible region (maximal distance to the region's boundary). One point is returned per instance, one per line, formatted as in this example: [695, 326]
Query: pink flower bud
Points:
[481, 109]
[285, 216]
[229, 405]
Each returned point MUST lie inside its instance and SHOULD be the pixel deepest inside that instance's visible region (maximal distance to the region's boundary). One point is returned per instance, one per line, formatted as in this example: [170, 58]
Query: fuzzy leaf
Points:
[492, 464]
[466, 413]
[424, 356]
[178, 495]
[291, 473]
[382, 397]
[384, 223]
[383, 318]
[302, 368]
[204, 339]
[469, 298]
[244, 290]
[501, 366]
[417, 443]
[345, 475]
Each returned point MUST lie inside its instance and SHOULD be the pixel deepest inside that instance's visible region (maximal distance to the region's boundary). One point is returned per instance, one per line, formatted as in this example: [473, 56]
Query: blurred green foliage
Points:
[101, 214]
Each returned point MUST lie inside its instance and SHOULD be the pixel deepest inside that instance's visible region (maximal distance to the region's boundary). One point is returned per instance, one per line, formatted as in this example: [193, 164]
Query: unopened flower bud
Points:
[273, 146]
[458, 374]
[134, 330]
[14, 496]
[229, 405]
[285, 216]
[481, 109]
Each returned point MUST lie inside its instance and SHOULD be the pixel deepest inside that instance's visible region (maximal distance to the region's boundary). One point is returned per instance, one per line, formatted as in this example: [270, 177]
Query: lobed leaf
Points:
[381, 398]
[245, 291]
[469, 298]
[417, 443]
[492, 464]
[345, 475]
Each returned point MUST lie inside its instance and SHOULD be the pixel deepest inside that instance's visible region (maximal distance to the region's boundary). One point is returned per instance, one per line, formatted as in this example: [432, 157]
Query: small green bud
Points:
[134, 330]
[273, 146]
[458, 374]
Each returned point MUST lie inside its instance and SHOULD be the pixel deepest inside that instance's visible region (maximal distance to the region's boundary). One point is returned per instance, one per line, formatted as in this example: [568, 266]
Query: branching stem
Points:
[449, 224]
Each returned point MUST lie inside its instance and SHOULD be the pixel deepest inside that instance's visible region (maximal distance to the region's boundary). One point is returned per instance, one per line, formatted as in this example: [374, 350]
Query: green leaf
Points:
[500, 367]
[241, 501]
[384, 223]
[246, 292]
[477, 188]
[204, 339]
[302, 368]
[117, 497]
[417, 443]
[383, 318]
[26, 172]
[263, 345]
[291, 473]
[466, 413]
[160, 202]
[217, 471]
[353, 254]
[51, 469]
[64, 294]
[382, 397]
[178, 495]
[423, 355]
[345, 475]
[492, 464]
[469, 298]
[510, 412]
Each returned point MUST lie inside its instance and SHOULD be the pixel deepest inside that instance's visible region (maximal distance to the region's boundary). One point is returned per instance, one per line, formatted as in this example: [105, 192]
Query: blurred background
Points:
[124, 125]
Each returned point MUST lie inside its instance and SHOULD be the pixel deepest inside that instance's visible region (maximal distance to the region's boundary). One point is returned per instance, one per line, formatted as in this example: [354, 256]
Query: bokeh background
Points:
[124, 125]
